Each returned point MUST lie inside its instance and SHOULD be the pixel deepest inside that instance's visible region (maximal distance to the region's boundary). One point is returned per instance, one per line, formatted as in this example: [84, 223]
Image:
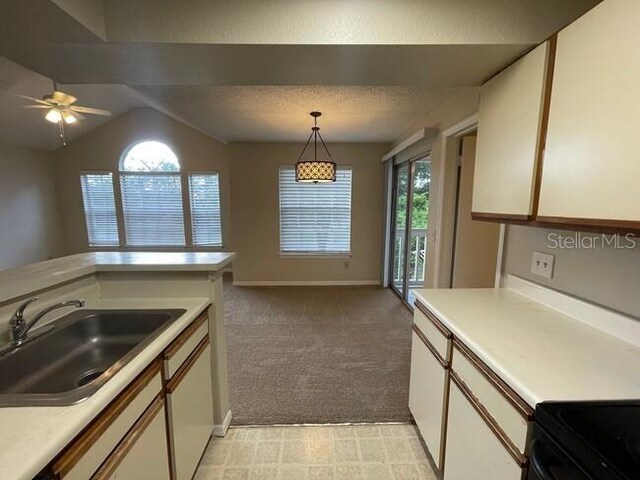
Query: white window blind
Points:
[204, 198]
[315, 218]
[152, 206]
[100, 209]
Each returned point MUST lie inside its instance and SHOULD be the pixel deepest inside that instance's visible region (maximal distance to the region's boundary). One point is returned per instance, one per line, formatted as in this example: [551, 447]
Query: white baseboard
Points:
[221, 430]
[304, 283]
[613, 323]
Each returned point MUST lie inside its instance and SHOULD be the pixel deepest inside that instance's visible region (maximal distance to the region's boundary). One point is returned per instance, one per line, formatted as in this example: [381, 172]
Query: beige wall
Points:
[476, 243]
[101, 149]
[603, 275]
[29, 225]
[255, 213]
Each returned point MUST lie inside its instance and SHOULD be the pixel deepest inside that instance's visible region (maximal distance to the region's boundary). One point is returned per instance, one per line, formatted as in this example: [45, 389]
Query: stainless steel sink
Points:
[72, 361]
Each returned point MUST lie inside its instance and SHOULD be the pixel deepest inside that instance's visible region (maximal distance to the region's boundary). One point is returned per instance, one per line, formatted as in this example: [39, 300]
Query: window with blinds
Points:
[315, 218]
[204, 199]
[152, 208]
[100, 209]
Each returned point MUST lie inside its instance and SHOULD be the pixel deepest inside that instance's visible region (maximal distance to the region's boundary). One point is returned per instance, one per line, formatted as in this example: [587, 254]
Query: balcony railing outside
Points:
[417, 256]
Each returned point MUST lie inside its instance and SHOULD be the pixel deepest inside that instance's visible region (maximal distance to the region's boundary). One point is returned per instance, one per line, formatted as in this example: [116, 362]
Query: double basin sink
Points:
[78, 356]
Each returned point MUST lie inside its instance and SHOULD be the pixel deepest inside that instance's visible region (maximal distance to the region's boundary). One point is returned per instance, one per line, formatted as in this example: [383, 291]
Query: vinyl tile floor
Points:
[353, 452]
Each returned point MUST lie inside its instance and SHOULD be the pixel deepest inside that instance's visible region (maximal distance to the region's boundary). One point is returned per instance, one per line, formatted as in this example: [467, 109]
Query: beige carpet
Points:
[317, 354]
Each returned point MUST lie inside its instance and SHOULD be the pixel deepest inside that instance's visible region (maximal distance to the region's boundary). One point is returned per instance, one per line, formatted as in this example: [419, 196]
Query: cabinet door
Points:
[509, 128]
[473, 450]
[148, 457]
[191, 411]
[592, 159]
[426, 396]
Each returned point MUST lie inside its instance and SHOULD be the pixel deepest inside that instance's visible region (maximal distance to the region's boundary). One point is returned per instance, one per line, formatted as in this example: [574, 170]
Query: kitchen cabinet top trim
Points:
[430, 347]
[507, 392]
[175, 346]
[127, 443]
[438, 324]
[173, 384]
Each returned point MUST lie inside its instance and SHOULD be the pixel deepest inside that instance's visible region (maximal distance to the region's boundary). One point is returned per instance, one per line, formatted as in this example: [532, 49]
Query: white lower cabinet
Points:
[473, 450]
[144, 452]
[190, 403]
[426, 396]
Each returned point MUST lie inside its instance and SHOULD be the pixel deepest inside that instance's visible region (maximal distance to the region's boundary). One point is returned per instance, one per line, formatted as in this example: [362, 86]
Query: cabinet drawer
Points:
[83, 457]
[146, 440]
[508, 410]
[433, 330]
[180, 349]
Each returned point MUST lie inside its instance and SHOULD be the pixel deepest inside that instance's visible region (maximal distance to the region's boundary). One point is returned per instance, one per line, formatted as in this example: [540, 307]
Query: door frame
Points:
[447, 199]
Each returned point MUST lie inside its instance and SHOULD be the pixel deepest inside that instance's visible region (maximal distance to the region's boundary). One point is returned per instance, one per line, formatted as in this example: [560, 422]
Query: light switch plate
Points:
[542, 264]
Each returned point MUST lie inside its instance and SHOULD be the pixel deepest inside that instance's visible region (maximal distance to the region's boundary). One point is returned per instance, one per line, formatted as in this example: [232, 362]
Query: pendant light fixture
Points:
[318, 170]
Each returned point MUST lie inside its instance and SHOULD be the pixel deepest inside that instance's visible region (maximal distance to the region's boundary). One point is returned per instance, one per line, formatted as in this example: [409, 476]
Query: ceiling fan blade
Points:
[63, 98]
[37, 106]
[37, 100]
[90, 110]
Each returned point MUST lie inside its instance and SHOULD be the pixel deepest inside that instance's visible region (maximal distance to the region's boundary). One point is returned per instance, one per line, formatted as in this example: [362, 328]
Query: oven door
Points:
[547, 461]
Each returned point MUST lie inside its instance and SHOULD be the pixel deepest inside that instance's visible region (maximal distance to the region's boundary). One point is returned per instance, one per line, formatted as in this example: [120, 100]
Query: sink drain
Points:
[88, 377]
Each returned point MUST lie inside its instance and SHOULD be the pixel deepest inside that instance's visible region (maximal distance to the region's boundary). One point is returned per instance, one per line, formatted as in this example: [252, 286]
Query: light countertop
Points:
[32, 436]
[21, 280]
[541, 353]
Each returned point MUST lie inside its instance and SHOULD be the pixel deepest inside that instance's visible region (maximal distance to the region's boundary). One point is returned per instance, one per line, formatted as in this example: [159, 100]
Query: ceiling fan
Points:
[61, 109]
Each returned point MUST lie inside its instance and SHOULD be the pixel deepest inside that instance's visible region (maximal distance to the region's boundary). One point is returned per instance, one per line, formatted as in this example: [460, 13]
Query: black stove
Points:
[597, 440]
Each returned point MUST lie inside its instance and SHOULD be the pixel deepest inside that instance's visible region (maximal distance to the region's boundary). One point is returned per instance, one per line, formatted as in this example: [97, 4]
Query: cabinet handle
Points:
[512, 397]
[104, 419]
[127, 443]
[172, 349]
[497, 430]
[430, 347]
[437, 323]
[186, 366]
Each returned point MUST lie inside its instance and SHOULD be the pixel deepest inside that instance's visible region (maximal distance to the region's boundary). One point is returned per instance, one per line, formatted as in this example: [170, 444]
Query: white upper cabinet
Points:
[592, 160]
[509, 132]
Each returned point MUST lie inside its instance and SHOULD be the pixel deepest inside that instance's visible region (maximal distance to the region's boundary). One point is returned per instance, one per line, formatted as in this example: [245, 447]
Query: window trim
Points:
[314, 255]
[184, 179]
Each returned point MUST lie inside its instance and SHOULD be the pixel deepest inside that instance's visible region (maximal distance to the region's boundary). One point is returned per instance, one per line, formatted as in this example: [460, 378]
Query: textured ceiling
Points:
[251, 71]
[280, 113]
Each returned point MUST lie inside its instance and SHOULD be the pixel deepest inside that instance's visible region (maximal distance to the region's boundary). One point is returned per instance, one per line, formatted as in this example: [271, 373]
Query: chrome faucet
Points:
[19, 327]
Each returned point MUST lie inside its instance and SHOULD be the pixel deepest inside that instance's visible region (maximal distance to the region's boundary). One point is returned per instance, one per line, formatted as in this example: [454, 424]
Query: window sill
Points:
[155, 249]
[316, 255]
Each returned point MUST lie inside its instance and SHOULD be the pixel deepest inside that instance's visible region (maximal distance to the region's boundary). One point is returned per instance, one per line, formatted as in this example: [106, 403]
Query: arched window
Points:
[149, 156]
[155, 193]
[152, 195]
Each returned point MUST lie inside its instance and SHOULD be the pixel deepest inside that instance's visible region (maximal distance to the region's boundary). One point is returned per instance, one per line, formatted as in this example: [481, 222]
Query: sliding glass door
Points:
[401, 194]
[410, 220]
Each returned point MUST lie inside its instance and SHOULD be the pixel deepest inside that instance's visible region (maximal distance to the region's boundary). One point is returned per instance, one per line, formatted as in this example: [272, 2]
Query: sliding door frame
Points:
[411, 164]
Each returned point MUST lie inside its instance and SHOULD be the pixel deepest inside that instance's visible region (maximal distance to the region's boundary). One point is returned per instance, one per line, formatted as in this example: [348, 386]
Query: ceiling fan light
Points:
[69, 117]
[54, 115]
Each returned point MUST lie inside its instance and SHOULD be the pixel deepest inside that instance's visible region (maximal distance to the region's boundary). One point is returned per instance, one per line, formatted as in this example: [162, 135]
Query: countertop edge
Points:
[21, 281]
